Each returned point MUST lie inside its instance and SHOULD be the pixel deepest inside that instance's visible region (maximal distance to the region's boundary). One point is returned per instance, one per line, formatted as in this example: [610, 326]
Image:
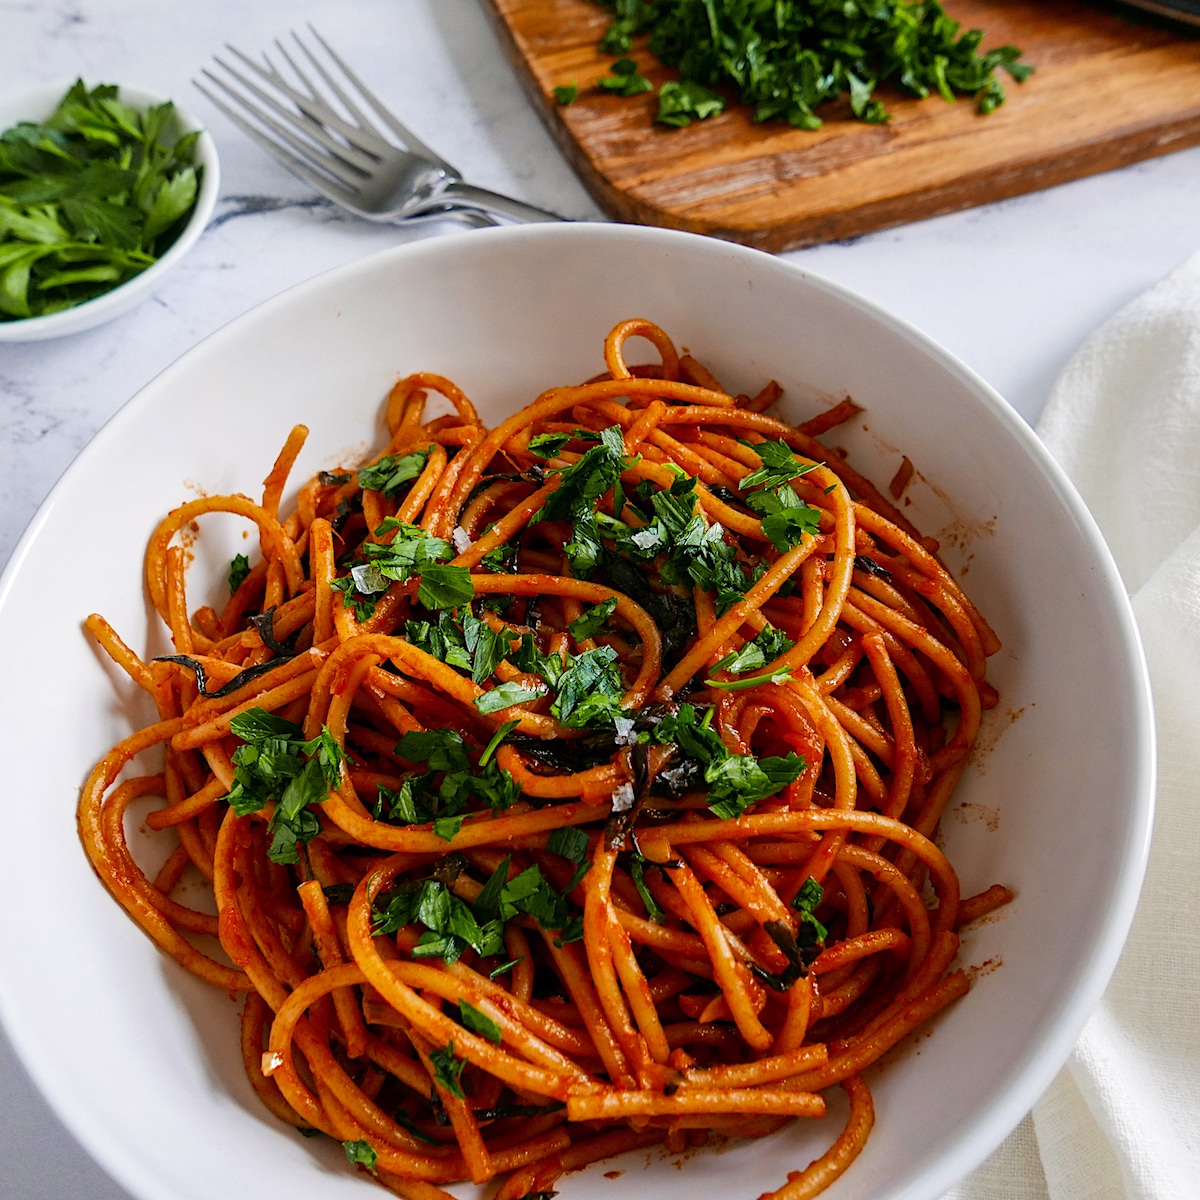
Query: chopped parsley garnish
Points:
[572, 843]
[589, 690]
[478, 1022]
[765, 647]
[239, 568]
[779, 466]
[497, 738]
[589, 623]
[390, 473]
[360, 1154]
[468, 644]
[589, 686]
[785, 517]
[276, 765]
[811, 932]
[442, 749]
[734, 781]
[569, 841]
[681, 103]
[786, 59]
[625, 80]
[548, 445]
[503, 695]
[88, 199]
[566, 93]
[420, 800]
[448, 1069]
[409, 552]
[452, 926]
[585, 481]
[502, 560]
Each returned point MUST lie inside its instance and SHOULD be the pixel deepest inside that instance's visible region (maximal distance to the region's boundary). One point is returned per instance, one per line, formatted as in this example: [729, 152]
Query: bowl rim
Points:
[1058, 1034]
[40, 98]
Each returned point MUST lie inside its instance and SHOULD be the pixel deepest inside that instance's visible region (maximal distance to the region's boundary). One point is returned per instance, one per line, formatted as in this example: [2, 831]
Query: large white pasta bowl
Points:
[141, 1060]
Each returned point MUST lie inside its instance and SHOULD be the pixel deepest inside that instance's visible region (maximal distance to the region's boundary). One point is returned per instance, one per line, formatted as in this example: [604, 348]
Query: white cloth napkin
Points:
[1122, 1120]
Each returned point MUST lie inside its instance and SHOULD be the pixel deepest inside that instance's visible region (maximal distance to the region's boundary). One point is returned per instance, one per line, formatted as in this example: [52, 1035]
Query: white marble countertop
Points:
[1012, 289]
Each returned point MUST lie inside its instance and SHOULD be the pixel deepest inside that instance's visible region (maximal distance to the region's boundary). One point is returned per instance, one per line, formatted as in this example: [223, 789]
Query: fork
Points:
[343, 154]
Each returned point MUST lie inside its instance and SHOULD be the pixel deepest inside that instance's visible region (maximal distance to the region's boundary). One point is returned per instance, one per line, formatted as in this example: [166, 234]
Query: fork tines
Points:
[337, 152]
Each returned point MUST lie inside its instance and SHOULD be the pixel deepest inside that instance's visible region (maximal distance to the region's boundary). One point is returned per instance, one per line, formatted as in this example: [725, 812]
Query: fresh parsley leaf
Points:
[590, 622]
[785, 60]
[409, 552]
[785, 517]
[590, 690]
[811, 932]
[442, 749]
[765, 647]
[361, 1154]
[584, 549]
[505, 694]
[445, 586]
[680, 103]
[450, 923]
[443, 640]
[625, 80]
[275, 765]
[779, 466]
[488, 647]
[479, 1022]
[548, 445]
[88, 199]
[448, 827]
[496, 740]
[390, 473]
[502, 560]
[735, 781]
[569, 841]
[448, 1069]
[586, 480]
[566, 94]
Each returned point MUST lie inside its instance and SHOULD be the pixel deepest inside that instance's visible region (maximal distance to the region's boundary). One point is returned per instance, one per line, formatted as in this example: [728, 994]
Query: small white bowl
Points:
[36, 103]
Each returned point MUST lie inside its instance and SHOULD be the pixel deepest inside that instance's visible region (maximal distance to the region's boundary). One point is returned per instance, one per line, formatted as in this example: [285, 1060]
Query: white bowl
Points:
[141, 1060]
[36, 103]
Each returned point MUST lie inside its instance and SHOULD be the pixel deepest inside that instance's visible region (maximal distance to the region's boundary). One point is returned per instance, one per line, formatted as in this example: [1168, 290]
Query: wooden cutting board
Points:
[1108, 90]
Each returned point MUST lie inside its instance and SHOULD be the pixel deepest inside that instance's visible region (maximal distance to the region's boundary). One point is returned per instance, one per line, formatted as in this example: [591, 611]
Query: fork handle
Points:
[466, 195]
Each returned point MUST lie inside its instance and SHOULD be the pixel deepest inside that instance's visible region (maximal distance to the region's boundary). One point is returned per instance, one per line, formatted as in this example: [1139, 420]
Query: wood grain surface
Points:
[1107, 91]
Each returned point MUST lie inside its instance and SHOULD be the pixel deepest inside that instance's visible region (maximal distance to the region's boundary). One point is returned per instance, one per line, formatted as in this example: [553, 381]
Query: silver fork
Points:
[344, 155]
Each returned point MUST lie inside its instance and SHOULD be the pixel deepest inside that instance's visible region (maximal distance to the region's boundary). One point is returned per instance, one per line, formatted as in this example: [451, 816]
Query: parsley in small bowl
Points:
[102, 191]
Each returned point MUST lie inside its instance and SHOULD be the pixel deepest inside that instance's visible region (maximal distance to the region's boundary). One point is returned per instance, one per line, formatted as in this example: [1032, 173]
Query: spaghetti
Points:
[565, 787]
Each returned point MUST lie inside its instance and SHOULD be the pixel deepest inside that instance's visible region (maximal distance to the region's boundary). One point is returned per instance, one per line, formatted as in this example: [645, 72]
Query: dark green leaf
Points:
[785, 59]
[548, 445]
[680, 103]
[479, 1022]
[448, 1070]
[569, 841]
[360, 1154]
[445, 586]
[442, 749]
[505, 694]
[390, 473]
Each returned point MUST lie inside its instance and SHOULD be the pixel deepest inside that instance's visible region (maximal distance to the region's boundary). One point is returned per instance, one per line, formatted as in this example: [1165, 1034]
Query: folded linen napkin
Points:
[1122, 1119]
